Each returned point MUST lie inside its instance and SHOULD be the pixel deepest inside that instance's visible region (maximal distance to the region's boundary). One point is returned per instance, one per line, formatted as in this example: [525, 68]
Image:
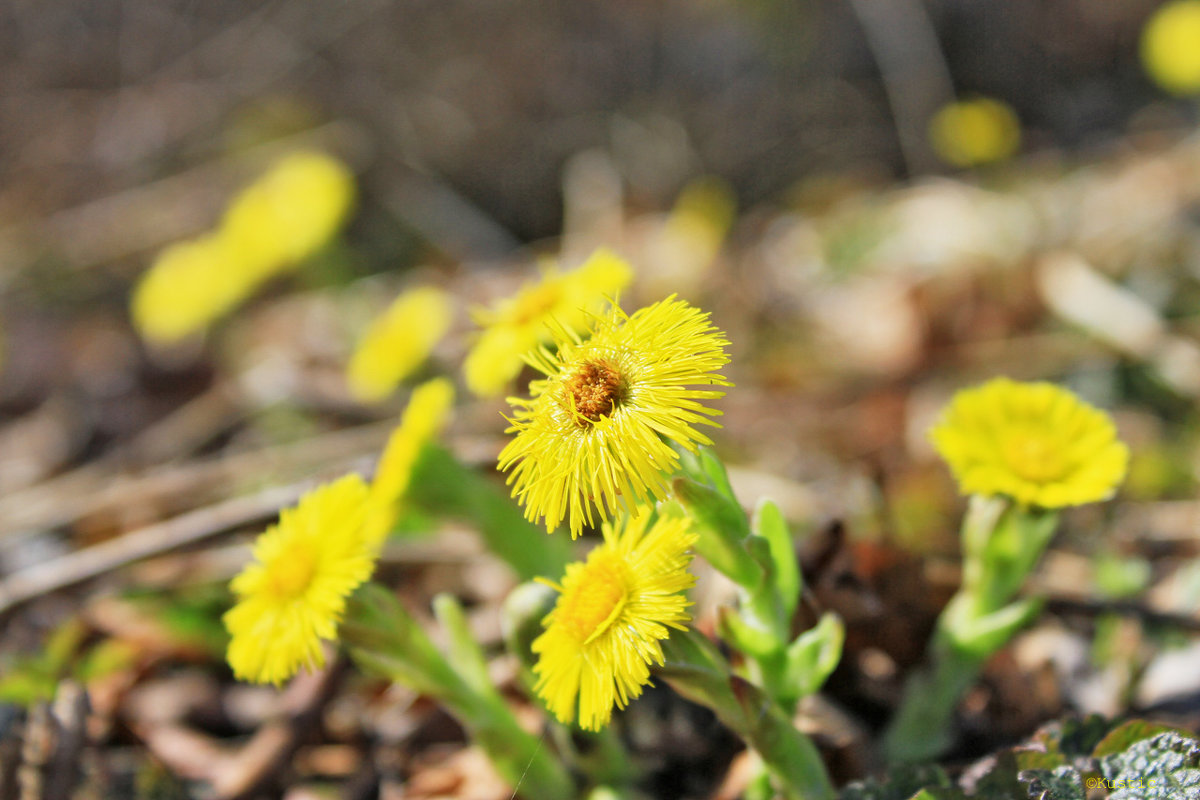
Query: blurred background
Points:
[879, 202]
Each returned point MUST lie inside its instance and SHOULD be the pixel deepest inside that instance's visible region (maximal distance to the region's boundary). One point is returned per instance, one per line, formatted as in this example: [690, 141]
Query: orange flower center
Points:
[289, 577]
[1033, 456]
[595, 601]
[594, 390]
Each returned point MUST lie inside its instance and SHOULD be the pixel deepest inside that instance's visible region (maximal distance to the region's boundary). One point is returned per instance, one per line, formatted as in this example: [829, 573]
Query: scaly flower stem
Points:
[697, 671]
[383, 638]
[1001, 546]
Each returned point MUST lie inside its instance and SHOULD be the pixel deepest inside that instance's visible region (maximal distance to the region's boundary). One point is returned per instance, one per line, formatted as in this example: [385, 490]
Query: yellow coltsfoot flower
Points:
[1170, 46]
[424, 417]
[294, 593]
[977, 130]
[1034, 442]
[612, 612]
[519, 324]
[398, 341]
[595, 432]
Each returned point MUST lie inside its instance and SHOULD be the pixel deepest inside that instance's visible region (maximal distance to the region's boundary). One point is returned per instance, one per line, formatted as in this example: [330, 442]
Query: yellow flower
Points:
[290, 212]
[294, 593]
[519, 324]
[398, 341]
[189, 285]
[612, 612]
[976, 131]
[1035, 442]
[1171, 46]
[272, 225]
[594, 432]
[426, 414]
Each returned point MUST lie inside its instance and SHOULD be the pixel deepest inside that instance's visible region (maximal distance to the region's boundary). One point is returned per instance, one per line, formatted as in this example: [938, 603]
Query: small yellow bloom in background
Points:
[680, 254]
[423, 419]
[520, 323]
[294, 593]
[592, 433]
[612, 613]
[290, 212]
[980, 130]
[190, 285]
[1170, 47]
[276, 222]
[1034, 442]
[398, 341]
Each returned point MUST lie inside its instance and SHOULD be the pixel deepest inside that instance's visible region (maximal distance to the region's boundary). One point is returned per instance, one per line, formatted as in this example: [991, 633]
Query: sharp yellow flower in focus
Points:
[398, 341]
[290, 212]
[423, 419]
[612, 613]
[189, 285]
[519, 324]
[594, 432]
[980, 130]
[1170, 47]
[292, 596]
[1034, 442]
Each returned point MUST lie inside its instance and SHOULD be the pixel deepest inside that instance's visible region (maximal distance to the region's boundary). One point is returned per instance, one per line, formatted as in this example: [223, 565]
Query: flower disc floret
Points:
[292, 596]
[612, 613]
[1034, 442]
[594, 434]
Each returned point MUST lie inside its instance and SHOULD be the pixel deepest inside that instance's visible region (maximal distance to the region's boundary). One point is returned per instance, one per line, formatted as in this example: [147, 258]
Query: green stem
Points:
[383, 638]
[1001, 546]
[697, 671]
[921, 729]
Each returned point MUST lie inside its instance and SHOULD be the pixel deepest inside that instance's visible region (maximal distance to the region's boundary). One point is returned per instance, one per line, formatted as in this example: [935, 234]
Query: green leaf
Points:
[770, 524]
[745, 635]
[441, 485]
[723, 531]
[982, 636]
[814, 655]
[464, 651]
[1165, 767]
[1124, 736]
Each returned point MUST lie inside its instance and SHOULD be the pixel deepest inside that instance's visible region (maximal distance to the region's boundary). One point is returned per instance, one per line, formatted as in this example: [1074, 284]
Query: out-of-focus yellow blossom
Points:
[290, 212]
[1034, 442]
[685, 247]
[595, 432]
[276, 222]
[979, 130]
[189, 285]
[517, 325]
[1171, 47]
[423, 419]
[612, 612]
[398, 341]
[292, 596]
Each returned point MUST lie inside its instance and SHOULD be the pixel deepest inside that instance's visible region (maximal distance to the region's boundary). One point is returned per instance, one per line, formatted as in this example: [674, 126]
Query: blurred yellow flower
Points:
[980, 130]
[398, 341]
[276, 222]
[519, 324]
[595, 431]
[292, 596]
[1034, 442]
[189, 285]
[1170, 47]
[290, 212]
[423, 419]
[612, 612]
[680, 254]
